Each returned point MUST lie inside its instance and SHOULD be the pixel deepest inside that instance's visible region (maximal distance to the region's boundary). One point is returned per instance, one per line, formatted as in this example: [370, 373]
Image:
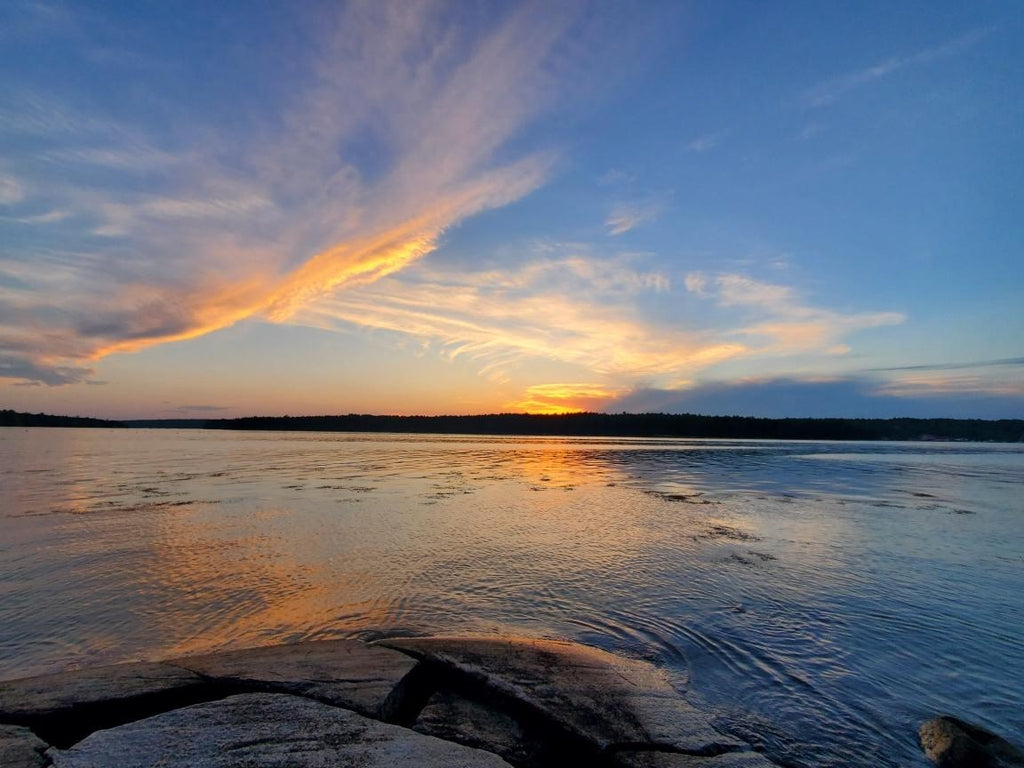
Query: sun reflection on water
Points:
[793, 586]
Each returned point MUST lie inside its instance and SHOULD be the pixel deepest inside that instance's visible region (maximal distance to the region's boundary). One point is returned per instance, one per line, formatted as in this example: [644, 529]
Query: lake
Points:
[820, 599]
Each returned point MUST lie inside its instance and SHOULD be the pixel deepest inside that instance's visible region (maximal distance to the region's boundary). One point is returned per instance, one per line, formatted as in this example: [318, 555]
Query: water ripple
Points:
[821, 599]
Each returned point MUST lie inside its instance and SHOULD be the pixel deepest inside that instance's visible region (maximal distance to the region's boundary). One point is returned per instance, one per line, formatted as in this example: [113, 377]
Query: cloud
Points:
[627, 216]
[846, 397]
[11, 190]
[28, 21]
[229, 227]
[571, 305]
[1015, 361]
[774, 319]
[937, 382]
[809, 131]
[830, 91]
[138, 158]
[706, 142]
[42, 117]
[406, 122]
[42, 218]
[564, 398]
[25, 369]
[984, 379]
[616, 177]
[947, 390]
[574, 308]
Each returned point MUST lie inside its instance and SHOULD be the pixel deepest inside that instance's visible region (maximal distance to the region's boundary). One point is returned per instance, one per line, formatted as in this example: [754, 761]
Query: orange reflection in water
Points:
[233, 580]
[460, 528]
[211, 542]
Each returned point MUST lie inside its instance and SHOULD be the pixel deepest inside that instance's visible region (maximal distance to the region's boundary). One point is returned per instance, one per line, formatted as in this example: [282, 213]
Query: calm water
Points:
[820, 598]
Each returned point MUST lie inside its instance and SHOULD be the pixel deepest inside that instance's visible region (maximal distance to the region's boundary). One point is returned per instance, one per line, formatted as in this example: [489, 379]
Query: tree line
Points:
[16, 419]
[647, 425]
[582, 425]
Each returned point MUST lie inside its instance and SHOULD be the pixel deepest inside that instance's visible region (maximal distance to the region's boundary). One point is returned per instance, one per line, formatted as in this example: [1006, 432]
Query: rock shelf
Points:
[442, 701]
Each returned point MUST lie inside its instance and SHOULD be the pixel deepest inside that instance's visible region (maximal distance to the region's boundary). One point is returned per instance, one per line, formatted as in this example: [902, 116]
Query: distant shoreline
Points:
[583, 425]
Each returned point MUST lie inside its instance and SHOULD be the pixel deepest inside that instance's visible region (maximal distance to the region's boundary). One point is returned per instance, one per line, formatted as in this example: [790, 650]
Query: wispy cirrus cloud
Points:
[1004, 377]
[853, 396]
[139, 158]
[706, 141]
[574, 309]
[831, 90]
[49, 217]
[774, 319]
[11, 190]
[627, 216]
[1006, 361]
[573, 306]
[175, 240]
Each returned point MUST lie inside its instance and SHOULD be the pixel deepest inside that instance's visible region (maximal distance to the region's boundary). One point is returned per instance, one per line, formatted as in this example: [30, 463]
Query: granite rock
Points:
[952, 743]
[429, 701]
[33, 696]
[605, 699]
[474, 723]
[345, 673]
[65, 707]
[20, 748]
[268, 730]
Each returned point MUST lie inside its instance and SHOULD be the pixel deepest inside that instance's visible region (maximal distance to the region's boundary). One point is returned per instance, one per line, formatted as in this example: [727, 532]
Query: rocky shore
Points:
[442, 701]
[426, 702]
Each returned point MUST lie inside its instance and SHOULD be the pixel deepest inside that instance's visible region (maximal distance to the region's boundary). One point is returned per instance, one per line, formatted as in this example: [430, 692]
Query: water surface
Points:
[821, 599]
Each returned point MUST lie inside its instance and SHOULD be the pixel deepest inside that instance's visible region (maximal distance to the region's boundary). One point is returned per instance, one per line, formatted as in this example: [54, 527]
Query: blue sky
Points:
[731, 207]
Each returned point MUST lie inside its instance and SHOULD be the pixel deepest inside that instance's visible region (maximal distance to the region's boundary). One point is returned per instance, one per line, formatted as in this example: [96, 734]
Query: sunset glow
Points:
[441, 209]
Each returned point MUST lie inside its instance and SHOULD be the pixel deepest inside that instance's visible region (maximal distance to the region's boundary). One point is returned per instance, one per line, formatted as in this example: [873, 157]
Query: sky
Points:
[736, 207]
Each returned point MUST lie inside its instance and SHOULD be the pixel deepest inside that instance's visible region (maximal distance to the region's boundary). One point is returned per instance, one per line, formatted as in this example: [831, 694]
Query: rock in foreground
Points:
[952, 743]
[20, 748]
[266, 729]
[603, 699]
[429, 701]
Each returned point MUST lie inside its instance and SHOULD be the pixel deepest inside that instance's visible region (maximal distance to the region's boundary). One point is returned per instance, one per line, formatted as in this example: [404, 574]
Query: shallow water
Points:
[820, 598]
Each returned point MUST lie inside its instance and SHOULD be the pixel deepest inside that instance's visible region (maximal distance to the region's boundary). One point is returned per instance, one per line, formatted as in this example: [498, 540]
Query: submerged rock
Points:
[952, 743]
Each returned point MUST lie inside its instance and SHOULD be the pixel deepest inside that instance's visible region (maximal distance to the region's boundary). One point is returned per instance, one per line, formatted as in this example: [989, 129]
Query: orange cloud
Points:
[564, 398]
[291, 218]
[574, 311]
[370, 258]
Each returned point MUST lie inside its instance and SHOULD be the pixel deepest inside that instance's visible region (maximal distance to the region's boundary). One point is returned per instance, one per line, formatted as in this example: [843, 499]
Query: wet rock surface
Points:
[445, 701]
[604, 700]
[952, 743]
